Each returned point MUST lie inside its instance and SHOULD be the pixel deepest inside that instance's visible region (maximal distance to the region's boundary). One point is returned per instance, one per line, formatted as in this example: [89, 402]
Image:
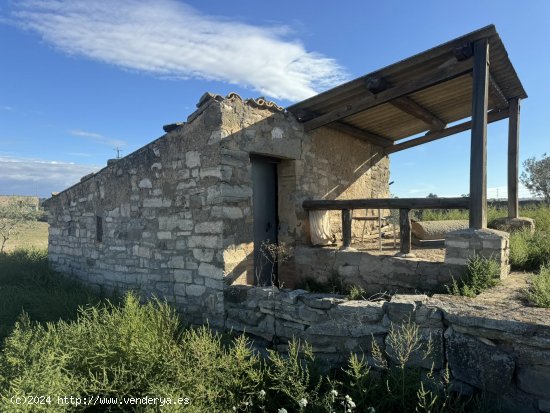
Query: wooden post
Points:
[478, 150]
[346, 228]
[513, 158]
[405, 230]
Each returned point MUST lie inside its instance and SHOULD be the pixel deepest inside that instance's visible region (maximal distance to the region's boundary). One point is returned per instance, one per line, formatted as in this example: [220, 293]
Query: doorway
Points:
[266, 217]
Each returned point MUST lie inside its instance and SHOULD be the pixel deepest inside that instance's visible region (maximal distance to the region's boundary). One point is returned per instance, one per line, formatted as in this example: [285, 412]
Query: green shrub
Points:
[529, 251]
[481, 273]
[129, 350]
[357, 293]
[140, 350]
[538, 293]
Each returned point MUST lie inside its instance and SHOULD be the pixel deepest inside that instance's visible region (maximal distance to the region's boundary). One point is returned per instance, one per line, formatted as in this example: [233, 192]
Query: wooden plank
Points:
[346, 228]
[432, 136]
[405, 230]
[360, 134]
[429, 79]
[387, 203]
[478, 150]
[513, 160]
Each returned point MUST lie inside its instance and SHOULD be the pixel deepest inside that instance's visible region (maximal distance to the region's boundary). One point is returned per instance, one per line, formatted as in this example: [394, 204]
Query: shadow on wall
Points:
[323, 164]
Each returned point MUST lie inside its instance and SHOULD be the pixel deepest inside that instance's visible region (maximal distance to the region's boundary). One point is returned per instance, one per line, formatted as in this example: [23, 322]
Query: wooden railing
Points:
[403, 204]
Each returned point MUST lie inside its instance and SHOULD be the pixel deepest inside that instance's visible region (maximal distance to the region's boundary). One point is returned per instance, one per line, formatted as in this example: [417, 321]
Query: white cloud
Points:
[170, 39]
[30, 176]
[115, 143]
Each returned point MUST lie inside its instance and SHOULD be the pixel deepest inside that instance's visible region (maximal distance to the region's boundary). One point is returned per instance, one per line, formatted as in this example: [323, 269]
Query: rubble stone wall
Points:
[372, 272]
[323, 164]
[175, 217]
[160, 211]
[504, 351]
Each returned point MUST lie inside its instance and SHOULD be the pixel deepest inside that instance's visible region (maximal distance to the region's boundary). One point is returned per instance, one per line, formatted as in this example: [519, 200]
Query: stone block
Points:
[513, 224]
[210, 271]
[478, 363]
[534, 380]
[192, 159]
[211, 227]
[195, 290]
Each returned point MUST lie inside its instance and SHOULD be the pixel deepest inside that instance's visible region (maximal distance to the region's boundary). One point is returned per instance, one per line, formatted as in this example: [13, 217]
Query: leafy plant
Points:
[481, 273]
[529, 251]
[357, 293]
[539, 292]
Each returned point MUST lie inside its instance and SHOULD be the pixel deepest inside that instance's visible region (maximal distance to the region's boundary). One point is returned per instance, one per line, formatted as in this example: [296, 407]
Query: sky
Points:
[81, 78]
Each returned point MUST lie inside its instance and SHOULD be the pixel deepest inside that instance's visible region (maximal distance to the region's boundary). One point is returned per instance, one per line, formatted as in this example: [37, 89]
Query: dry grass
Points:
[31, 235]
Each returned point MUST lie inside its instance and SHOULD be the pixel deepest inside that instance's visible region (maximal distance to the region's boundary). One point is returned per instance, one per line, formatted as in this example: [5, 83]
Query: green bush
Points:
[141, 350]
[538, 293]
[481, 273]
[529, 251]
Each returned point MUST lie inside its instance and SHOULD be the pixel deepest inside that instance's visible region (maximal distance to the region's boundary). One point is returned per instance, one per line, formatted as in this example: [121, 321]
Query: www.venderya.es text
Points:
[96, 400]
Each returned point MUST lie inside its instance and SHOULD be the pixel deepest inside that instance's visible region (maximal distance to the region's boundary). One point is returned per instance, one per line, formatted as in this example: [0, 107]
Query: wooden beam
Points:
[409, 106]
[405, 230]
[513, 160]
[386, 203]
[430, 79]
[478, 151]
[492, 116]
[405, 104]
[361, 134]
[346, 228]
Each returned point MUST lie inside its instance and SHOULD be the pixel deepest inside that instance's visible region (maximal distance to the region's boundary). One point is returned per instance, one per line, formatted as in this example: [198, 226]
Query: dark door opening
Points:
[265, 214]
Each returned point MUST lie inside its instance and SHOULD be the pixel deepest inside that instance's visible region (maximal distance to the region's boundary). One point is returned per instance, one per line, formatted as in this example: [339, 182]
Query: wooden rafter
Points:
[406, 104]
[430, 79]
[492, 116]
[361, 134]
[349, 129]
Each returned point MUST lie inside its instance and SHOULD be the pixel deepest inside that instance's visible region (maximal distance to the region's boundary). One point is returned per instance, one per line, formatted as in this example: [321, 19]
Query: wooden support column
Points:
[405, 230]
[346, 228]
[513, 158]
[478, 151]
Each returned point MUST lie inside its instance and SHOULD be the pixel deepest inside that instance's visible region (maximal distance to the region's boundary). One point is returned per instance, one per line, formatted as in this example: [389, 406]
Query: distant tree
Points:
[465, 195]
[430, 195]
[536, 176]
[15, 216]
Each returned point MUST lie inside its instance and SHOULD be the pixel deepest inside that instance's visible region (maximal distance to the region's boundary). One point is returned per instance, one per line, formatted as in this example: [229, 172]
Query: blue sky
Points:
[79, 78]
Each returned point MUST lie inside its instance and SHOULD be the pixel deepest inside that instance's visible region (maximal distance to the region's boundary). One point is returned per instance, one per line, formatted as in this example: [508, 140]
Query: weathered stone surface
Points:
[513, 224]
[534, 380]
[477, 363]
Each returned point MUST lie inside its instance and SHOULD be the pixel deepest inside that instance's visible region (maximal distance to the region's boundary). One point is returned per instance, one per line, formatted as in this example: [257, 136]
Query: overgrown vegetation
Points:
[529, 251]
[28, 284]
[481, 274]
[138, 350]
[538, 292]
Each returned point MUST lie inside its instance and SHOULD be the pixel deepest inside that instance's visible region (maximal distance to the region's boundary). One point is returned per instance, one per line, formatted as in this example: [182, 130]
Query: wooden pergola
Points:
[468, 77]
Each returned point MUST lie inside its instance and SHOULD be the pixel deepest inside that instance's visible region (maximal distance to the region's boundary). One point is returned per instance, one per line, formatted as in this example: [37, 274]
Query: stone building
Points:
[185, 216]
[179, 218]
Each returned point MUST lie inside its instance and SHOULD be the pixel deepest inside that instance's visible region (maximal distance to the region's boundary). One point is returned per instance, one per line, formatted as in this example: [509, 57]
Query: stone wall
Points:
[324, 164]
[499, 348]
[161, 217]
[462, 245]
[372, 272]
[175, 217]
